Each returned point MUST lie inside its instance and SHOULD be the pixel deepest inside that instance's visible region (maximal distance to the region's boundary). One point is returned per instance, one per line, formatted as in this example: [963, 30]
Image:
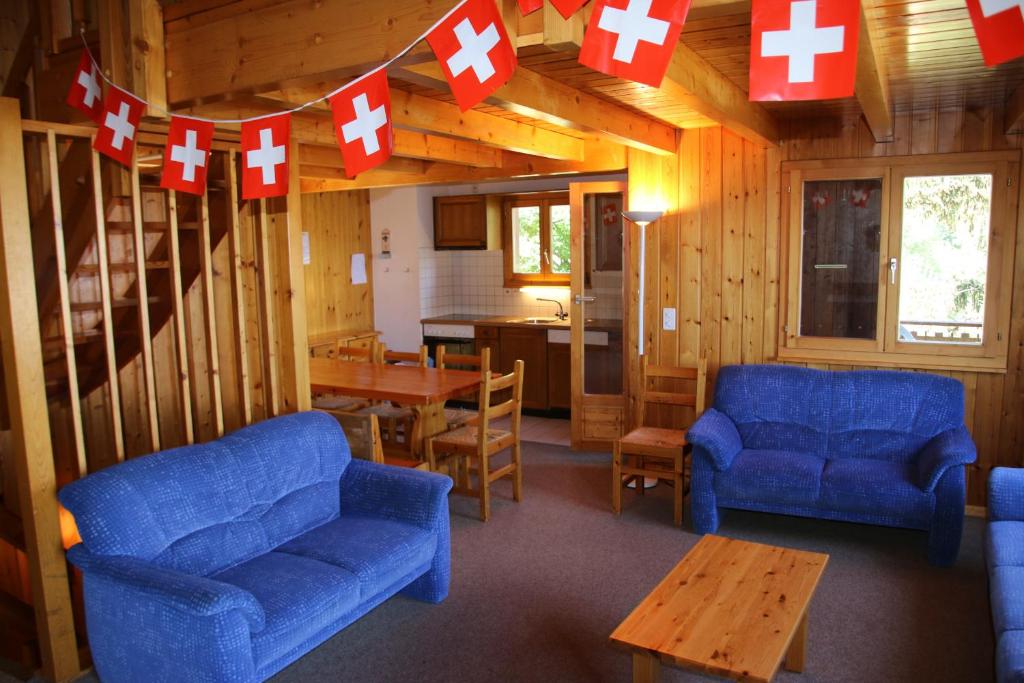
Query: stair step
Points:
[86, 337]
[78, 306]
[128, 228]
[93, 269]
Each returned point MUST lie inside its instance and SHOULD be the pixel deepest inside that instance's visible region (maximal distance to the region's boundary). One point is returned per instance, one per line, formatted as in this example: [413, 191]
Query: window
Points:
[903, 261]
[535, 234]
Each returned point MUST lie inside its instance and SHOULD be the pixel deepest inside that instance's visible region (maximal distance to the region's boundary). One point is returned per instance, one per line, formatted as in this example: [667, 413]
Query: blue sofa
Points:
[229, 560]
[1004, 553]
[873, 446]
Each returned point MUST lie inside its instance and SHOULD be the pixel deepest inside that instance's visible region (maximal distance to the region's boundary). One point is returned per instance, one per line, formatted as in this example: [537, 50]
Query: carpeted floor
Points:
[536, 591]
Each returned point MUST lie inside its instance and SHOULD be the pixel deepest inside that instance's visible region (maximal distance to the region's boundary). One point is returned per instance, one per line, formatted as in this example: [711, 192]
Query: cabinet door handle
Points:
[580, 298]
[893, 265]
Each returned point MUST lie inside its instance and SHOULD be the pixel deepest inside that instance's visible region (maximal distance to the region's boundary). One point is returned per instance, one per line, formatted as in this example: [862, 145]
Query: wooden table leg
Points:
[430, 422]
[646, 667]
[797, 648]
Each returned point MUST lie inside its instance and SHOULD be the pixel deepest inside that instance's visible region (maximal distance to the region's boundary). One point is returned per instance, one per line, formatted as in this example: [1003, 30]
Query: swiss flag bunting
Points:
[474, 50]
[803, 49]
[567, 8]
[86, 94]
[530, 6]
[187, 155]
[119, 125]
[633, 39]
[999, 25]
[265, 156]
[362, 122]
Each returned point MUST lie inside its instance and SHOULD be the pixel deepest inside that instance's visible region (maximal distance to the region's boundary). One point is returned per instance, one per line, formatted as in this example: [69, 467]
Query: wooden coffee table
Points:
[730, 608]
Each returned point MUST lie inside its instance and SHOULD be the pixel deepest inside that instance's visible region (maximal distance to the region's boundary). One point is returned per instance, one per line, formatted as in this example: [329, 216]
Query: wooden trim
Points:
[178, 313]
[64, 299]
[210, 314]
[148, 64]
[113, 381]
[872, 84]
[238, 288]
[955, 158]
[266, 288]
[25, 386]
[142, 287]
[543, 200]
[1015, 111]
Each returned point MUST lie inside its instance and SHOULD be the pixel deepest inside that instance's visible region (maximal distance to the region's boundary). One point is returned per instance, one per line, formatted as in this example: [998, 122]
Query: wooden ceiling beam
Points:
[531, 94]
[1015, 111]
[872, 84]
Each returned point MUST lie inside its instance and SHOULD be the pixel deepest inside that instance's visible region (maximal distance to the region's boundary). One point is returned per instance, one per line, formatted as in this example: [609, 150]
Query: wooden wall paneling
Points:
[113, 384]
[26, 400]
[178, 313]
[142, 292]
[689, 279]
[209, 315]
[269, 332]
[249, 216]
[753, 254]
[238, 289]
[169, 401]
[733, 215]
[711, 256]
[195, 333]
[64, 302]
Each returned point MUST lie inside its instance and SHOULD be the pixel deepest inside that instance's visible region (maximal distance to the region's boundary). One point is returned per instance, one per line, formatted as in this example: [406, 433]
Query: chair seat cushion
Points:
[458, 417]
[1007, 596]
[387, 411]
[875, 487]
[379, 552]
[300, 596]
[1004, 543]
[1010, 657]
[467, 436]
[655, 436]
[771, 477]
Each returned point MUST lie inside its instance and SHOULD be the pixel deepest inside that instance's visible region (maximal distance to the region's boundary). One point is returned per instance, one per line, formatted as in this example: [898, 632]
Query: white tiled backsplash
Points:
[473, 282]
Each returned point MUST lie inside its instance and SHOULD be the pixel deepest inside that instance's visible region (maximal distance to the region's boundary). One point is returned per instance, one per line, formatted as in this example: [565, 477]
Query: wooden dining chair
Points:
[472, 447]
[356, 354]
[362, 433]
[397, 420]
[458, 416]
[657, 452]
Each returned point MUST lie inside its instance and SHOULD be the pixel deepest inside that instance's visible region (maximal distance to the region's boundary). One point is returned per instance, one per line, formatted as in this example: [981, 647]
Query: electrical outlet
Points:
[668, 319]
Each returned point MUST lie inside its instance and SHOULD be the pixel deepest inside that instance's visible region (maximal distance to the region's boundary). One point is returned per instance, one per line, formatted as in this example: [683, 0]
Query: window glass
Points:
[842, 227]
[526, 239]
[946, 222]
[559, 238]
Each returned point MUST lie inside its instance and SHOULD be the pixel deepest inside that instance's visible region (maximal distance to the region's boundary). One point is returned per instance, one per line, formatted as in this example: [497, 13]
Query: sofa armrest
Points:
[194, 595]
[951, 448]
[396, 493]
[715, 433]
[1006, 494]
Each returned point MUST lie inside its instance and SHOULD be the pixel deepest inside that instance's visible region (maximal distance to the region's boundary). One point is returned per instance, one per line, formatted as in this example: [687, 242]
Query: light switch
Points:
[668, 319]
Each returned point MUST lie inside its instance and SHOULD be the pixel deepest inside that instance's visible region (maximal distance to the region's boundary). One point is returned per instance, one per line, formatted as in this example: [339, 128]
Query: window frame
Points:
[887, 349]
[543, 200]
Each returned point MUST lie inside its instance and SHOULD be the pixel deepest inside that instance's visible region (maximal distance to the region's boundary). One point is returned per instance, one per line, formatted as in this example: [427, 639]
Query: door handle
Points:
[580, 298]
[893, 265]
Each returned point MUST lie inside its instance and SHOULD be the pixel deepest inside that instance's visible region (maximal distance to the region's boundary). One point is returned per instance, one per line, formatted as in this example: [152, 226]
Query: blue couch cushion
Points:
[378, 552]
[300, 597]
[875, 487]
[771, 476]
[1010, 657]
[890, 415]
[1006, 588]
[1004, 544]
[202, 508]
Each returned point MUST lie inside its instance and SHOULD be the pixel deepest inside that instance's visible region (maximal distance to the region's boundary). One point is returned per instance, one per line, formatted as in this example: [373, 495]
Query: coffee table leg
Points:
[795, 655]
[646, 667]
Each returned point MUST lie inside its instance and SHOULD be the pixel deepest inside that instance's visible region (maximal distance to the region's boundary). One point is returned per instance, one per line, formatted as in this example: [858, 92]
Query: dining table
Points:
[424, 390]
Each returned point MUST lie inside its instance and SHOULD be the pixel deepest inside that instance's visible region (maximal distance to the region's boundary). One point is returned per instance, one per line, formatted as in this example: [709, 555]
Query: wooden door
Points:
[599, 310]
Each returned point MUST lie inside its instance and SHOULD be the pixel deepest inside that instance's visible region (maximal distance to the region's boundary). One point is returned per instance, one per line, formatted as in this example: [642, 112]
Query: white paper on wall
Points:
[359, 268]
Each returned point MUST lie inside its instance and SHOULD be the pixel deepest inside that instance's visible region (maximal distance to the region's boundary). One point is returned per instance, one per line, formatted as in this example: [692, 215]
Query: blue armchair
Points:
[229, 560]
[1004, 554]
[872, 446]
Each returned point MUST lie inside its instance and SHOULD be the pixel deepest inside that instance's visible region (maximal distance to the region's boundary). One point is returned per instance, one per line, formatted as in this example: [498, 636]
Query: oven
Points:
[457, 339]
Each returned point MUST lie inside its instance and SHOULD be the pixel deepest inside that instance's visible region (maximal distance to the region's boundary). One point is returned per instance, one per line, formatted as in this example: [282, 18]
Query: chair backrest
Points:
[489, 386]
[360, 354]
[420, 358]
[363, 433]
[651, 374]
[443, 359]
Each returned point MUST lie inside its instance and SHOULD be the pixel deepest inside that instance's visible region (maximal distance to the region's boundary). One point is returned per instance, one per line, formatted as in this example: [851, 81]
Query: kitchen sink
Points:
[537, 321]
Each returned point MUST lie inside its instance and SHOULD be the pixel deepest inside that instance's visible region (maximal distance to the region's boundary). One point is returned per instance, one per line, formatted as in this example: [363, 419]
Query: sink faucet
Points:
[561, 315]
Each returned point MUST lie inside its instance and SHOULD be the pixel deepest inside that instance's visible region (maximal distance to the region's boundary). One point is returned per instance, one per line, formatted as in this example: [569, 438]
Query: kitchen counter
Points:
[484, 320]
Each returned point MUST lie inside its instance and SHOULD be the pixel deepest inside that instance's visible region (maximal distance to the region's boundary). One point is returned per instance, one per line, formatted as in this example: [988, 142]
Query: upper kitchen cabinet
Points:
[467, 222]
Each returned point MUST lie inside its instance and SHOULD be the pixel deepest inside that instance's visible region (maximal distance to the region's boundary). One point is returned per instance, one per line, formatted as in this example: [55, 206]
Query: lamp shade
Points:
[642, 217]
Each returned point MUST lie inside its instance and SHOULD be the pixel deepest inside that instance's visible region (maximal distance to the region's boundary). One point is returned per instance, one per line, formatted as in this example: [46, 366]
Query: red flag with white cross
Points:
[567, 8]
[999, 25]
[85, 94]
[362, 122]
[264, 146]
[474, 50]
[187, 155]
[633, 39]
[803, 49]
[119, 125]
[530, 6]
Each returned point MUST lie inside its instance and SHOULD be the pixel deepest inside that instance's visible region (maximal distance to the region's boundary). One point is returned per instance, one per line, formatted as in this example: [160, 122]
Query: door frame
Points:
[611, 407]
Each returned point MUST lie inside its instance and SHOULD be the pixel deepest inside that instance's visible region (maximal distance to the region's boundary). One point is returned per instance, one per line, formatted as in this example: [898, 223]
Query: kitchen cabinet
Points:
[559, 371]
[530, 346]
[467, 222]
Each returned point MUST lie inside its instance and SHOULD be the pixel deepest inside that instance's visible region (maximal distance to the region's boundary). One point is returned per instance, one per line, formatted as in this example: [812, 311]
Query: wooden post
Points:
[238, 289]
[26, 399]
[142, 289]
[149, 70]
[264, 274]
[291, 298]
[210, 315]
[178, 313]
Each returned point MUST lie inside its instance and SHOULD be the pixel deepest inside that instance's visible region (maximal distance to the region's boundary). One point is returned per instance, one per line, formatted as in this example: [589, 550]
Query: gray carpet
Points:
[536, 591]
